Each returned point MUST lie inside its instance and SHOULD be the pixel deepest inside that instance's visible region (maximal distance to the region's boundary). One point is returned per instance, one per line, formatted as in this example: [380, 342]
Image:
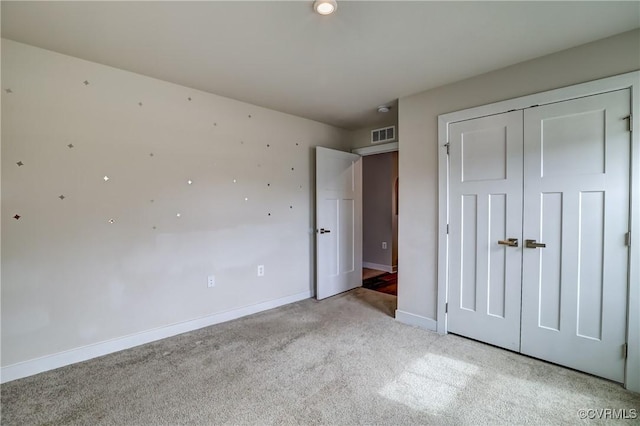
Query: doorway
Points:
[339, 219]
[380, 222]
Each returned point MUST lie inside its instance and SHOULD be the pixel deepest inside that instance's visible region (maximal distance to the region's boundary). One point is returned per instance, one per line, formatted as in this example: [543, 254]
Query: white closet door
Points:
[576, 185]
[485, 208]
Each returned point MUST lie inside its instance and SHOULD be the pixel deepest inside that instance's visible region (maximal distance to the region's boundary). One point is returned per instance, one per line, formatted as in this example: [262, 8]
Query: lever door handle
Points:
[534, 244]
[511, 242]
[324, 231]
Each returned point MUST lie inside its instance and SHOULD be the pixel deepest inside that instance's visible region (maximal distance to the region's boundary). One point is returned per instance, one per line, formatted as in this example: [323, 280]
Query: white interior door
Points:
[485, 212]
[576, 167]
[338, 222]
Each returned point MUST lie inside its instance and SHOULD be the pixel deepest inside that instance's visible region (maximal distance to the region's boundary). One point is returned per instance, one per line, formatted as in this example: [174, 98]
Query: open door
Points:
[338, 222]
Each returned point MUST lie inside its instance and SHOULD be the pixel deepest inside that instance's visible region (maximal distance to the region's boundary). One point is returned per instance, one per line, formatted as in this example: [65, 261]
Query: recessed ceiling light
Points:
[325, 7]
[384, 108]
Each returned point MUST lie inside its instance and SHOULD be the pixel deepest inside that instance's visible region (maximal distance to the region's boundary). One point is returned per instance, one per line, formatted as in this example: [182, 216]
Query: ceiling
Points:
[335, 69]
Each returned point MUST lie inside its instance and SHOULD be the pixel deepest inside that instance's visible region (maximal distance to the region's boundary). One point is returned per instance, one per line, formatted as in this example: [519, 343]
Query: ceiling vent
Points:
[386, 134]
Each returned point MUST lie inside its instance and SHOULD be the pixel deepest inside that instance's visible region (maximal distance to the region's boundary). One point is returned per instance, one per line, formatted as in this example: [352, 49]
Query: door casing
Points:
[624, 81]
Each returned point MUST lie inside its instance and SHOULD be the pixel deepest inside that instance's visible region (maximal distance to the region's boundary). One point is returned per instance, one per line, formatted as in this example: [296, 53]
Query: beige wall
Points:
[418, 114]
[362, 137]
[69, 277]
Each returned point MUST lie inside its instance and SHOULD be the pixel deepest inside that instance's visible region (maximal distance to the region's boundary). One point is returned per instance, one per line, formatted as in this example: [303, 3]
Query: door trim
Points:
[624, 81]
[377, 149]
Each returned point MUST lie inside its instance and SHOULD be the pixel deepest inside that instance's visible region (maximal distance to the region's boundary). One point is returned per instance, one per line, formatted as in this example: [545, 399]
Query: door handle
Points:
[511, 242]
[534, 244]
[324, 231]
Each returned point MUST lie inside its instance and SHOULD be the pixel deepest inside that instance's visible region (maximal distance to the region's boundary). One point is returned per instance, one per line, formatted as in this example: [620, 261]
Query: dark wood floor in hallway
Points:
[383, 282]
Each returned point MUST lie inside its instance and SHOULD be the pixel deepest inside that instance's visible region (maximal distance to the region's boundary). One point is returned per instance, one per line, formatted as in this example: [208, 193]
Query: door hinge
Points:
[629, 119]
[625, 350]
[446, 308]
[447, 145]
[627, 239]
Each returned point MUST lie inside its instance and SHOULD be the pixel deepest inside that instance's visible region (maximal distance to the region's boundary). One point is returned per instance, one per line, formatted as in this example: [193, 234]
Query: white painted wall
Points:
[69, 277]
[418, 219]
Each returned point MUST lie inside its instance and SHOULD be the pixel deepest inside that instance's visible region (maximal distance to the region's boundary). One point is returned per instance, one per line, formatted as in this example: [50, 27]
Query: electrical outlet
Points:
[261, 270]
[211, 281]
[384, 245]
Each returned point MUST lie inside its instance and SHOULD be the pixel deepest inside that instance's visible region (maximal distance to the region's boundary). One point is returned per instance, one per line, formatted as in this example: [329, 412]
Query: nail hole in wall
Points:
[70, 146]
[17, 217]
[112, 221]
[62, 197]
[140, 103]
[20, 163]
[86, 82]
[151, 154]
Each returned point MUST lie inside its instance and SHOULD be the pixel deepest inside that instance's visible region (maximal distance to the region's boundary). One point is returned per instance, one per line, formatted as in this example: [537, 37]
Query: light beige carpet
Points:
[343, 360]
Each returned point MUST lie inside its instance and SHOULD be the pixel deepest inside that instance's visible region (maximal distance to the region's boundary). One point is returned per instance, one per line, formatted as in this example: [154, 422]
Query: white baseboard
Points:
[417, 320]
[379, 267]
[50, 362]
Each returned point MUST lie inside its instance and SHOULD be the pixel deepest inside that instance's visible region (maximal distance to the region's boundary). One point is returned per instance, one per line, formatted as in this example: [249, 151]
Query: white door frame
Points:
[376, 149]
[624, 81]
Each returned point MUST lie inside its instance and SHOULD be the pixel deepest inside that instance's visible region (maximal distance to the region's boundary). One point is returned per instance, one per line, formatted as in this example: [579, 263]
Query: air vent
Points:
[386, 134]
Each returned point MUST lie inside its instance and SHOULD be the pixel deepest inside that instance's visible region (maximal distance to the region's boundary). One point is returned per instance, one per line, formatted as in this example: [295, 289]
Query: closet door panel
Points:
[576, 192]
[486, 208]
